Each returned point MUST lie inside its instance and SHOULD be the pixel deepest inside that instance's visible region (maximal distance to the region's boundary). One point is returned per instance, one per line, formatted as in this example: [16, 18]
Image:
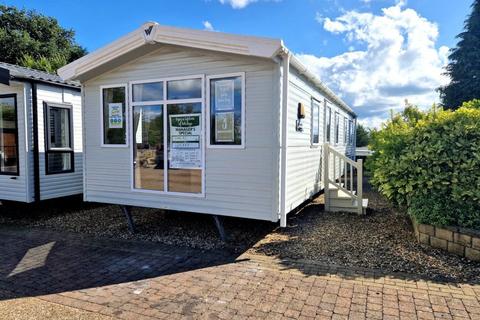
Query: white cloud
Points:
[240, 4]
[398, 60]
[208, 26]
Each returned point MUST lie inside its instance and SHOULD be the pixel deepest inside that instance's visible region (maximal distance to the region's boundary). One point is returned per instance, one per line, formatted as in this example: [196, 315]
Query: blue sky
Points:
[326, 34]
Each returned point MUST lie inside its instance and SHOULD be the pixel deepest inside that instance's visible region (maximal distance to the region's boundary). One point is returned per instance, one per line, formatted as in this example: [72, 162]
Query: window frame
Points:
[336, 128]
[102, 116]
[17, 173]
[345, 130]
[208, 107]
[165, 103]
[52, 150]
[328, 122]
[319, 104]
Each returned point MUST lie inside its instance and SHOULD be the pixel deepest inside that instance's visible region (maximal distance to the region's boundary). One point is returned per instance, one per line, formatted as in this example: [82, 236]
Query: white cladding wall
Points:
[238, 182]
[62, 184]
[304, 160]
[51, 186]
[15, 187]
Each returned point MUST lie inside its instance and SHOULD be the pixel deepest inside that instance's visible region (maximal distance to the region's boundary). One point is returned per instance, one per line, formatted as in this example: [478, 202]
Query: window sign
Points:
[224, 95]
[115, 116]
[224, 127]
[185, 143]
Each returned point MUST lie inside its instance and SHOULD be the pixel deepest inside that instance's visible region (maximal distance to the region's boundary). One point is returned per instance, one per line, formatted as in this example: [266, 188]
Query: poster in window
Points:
[224, 127]
[185, 134]
[115, 116]
[224, 95]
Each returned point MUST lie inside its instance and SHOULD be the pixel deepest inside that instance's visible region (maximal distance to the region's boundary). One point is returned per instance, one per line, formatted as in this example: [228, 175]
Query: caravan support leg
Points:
[220, 228]
[127, 211]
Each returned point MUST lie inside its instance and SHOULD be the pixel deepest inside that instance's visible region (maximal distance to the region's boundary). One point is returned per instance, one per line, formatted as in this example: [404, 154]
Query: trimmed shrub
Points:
[430, 162]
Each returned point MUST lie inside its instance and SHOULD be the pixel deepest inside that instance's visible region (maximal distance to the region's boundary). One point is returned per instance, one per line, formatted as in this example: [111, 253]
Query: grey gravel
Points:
[382, 240]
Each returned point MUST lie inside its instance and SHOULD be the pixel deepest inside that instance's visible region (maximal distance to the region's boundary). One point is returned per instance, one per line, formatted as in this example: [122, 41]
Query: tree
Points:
[30, 39]
[464, 66]
[363, 136]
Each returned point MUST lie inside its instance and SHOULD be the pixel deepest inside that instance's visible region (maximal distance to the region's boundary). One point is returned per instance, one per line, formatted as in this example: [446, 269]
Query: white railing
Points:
[344, 174]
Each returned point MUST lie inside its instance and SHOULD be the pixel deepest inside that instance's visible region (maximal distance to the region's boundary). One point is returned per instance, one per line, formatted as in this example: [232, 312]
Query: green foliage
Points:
[33, 40]
[430, 162]
[51, 64]
[464, 66]
[363, 136]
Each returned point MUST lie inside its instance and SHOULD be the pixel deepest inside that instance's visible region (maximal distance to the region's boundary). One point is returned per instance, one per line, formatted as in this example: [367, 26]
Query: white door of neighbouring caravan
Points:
[168, 135]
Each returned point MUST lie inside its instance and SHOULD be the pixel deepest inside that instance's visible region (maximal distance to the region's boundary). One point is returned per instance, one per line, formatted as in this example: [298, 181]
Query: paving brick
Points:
[177, 283]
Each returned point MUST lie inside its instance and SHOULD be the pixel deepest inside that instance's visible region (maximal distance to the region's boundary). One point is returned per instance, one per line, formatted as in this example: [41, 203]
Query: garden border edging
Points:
[459, 241]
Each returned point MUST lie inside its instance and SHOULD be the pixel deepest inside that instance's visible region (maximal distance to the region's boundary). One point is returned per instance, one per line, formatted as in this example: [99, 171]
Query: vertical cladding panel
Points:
[305, 172]
[16, 188]
[238, 182]
[63, 184]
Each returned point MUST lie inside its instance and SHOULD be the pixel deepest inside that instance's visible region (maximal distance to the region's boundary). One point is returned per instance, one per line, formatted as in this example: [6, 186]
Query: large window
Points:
[345, 130]
[58, 136]
[337, 127]
[168, 135]
[351, 134]
[226, 121]
[8, 135]
[328, 123]
[315, 122]
[114, 124]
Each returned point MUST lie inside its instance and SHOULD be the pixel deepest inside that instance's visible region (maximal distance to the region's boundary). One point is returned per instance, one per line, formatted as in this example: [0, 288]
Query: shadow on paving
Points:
[39, 262]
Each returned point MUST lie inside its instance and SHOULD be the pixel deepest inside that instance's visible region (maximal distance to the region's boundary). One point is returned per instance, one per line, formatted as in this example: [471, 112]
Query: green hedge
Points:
[430, 162]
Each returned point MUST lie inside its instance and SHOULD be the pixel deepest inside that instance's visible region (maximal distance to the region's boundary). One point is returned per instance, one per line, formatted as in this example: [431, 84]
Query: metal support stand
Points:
[127, 211]
[220, 228]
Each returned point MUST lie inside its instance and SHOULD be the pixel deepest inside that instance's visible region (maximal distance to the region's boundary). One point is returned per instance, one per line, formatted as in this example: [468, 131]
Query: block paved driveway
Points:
[65, 276]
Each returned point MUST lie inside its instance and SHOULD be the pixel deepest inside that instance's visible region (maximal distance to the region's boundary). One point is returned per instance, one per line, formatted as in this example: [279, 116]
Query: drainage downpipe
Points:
[36, 156]
[283, 187]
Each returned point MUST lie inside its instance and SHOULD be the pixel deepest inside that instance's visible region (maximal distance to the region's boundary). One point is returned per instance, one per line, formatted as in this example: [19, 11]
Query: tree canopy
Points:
[464, 65]
[363, 136]
[30, 39]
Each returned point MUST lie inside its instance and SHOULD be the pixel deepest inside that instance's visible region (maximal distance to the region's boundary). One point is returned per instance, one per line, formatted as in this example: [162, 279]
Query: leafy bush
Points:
[430, 162]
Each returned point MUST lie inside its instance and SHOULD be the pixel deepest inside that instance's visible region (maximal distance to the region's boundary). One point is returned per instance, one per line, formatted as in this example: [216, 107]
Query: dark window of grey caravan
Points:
[59, 137]
[8, 135]
[114, 122]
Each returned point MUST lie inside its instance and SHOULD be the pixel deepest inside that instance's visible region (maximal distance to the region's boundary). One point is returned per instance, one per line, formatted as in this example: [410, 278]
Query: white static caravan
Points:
[207, 122]
[40, 135]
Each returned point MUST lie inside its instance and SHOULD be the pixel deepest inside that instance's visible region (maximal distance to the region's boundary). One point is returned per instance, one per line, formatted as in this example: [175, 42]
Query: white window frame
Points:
[345, 130]
[328, 116]
[208, 125]
[71, 136]
[336, 128]
[319, 104]
[165, 104]
[127, 121]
